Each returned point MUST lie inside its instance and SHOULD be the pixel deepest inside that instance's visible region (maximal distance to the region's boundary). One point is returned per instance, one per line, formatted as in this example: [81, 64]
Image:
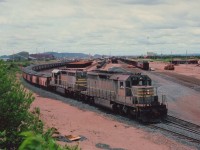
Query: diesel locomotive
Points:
[123, 92]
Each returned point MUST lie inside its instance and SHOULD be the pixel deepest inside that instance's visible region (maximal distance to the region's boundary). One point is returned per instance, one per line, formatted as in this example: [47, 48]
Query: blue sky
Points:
[116, 27]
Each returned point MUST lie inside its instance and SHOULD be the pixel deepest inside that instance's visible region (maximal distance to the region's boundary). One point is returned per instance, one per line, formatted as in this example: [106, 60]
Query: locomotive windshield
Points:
[81, 74]
[140, 81]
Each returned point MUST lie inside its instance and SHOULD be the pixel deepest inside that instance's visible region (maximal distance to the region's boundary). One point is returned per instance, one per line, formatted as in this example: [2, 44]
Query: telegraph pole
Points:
[13, 56]
[186, 57]
[171, 57]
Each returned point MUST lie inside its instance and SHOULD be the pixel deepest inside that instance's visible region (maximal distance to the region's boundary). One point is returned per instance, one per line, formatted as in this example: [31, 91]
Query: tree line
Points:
[20, 128]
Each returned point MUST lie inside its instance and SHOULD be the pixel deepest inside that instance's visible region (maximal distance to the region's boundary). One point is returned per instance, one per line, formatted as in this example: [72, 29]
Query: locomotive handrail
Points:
[93, 90]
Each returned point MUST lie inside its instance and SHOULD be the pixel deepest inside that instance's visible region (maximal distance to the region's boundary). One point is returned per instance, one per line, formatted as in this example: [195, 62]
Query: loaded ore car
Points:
[35, 79]
[140, 64]
[44, 80]
[101, 64]
[143, 65]
[79, 64]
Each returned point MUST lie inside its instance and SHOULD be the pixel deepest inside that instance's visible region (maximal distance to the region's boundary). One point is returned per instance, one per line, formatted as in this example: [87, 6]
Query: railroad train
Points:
[100, 64]
[137, 63]
[122, 92]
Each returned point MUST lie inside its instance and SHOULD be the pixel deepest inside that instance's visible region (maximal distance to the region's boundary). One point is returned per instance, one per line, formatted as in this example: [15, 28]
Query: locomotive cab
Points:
[55, 76]
[142, 91]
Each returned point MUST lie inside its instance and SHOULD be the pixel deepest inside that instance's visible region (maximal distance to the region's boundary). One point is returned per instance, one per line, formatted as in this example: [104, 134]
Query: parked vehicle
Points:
[169, 67]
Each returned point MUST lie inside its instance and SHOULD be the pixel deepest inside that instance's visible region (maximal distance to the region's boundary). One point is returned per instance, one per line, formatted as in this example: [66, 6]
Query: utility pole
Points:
[171, 57]
[13, 56]
[186, 57]
[44, 55]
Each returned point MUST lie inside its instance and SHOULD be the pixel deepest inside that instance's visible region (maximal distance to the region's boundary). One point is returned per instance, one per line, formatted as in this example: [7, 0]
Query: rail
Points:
[178, 134]
[178, 127]
[183, 124]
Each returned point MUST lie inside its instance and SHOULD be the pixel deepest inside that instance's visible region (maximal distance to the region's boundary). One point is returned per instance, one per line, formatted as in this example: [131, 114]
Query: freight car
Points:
[123, 92]
[137, 63]
[79, 64]
[114, 60]
[143, 65]
[101, 64]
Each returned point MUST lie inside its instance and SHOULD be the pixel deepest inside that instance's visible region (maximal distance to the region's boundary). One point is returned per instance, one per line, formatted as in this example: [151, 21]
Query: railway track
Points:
[182, 129]
[178, 134]
[183, 124]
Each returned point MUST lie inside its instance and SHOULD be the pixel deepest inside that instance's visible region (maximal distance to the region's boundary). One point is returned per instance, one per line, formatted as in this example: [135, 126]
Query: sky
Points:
[110, 27]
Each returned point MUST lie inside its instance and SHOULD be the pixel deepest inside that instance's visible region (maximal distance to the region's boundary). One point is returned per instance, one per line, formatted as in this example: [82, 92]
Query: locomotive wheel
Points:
[114, 108]
[125, 109]
[86, 98]
[121, 110]
[83, 98]
[127, 112]
[91, 101]
[78, 96]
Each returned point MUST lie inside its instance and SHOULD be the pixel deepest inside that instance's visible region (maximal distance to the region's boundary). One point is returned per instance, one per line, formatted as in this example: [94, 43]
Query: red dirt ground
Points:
[188, 73]
[110, 65]
[99, 129]
[185, 69]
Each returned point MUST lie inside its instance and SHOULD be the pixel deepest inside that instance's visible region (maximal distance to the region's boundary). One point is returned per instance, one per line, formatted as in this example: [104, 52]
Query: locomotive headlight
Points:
[144, 91]
[148, 92]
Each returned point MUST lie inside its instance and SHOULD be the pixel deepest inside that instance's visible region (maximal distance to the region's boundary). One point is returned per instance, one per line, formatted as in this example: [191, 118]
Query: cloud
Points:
[99, 26]
[143, 2]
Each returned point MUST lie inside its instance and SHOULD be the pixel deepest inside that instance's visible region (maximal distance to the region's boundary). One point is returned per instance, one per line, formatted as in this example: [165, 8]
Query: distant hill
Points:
[97, 56]
[18, 56]
[4, 56]
[68, 55]
[55, 54]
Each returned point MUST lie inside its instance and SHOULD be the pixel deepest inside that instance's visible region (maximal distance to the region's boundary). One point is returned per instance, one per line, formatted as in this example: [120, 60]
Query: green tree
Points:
[14, 107]
[18, 127]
